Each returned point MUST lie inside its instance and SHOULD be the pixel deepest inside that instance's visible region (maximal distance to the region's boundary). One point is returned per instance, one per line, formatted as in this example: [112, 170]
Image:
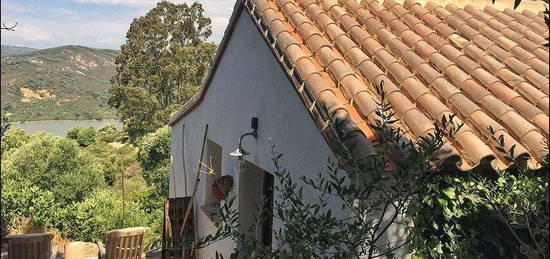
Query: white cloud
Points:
[12, 7]
[220, 21]
[213, 7]
[42, 26]
[41, 33]
[29, 32]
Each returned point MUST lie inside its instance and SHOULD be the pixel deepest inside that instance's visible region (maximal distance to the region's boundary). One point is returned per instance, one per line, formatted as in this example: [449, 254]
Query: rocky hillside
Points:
[68, 82]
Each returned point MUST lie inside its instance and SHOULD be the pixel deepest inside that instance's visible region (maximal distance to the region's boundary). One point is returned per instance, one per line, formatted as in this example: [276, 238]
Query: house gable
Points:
[248, 83]
[356, 137]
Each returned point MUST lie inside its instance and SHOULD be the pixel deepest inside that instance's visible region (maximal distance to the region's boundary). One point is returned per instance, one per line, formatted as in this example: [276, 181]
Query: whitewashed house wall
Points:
[247, 83]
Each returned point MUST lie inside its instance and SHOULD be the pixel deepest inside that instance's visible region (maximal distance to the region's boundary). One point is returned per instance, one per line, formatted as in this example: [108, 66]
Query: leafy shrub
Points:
[59, 183]
[53, 164]
[476, 215]
[72, 133]
[13, 138]
[109, 133]
[135, 189]
[107, 129]
[154, 157]
[20, 199]
[154, 149]
[159, 178]
[84, 136]
[156, 224]
[100, 212]
[114, 160]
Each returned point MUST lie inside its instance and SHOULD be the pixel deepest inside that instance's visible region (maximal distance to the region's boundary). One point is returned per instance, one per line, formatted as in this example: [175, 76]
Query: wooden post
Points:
[123, 200]
[197, 181]
[183, 160]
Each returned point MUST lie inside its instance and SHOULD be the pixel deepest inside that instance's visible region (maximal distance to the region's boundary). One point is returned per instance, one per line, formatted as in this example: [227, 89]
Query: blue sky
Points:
[94, 23]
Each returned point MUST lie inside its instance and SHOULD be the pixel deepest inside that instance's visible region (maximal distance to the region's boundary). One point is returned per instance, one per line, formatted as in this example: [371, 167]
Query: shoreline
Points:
[60, 127]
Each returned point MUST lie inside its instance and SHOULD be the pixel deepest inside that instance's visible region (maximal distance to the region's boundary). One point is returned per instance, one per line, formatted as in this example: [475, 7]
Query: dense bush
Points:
[27, 201]
[100, 212]
[114, 160]
[154, 149]
[84, 136]
[154, 157]
[57, 184]
[107, 129]
[72, 133]
[13, 138]
[135, 189]
[53, 164]
[476, 215]
[109, 133]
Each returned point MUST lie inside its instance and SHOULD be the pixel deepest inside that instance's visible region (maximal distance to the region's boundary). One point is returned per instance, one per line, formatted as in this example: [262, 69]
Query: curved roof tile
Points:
[487, 67]
[435, 61]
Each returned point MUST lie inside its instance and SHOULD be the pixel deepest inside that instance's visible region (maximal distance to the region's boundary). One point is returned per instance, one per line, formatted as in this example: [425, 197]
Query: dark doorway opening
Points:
[255, 193]
[267, 224]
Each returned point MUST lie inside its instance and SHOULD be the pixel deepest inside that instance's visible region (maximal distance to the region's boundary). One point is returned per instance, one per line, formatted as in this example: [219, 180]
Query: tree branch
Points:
[8, 28]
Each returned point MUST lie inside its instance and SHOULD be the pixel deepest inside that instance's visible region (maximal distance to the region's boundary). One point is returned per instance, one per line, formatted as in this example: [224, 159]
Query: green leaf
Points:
[449, 192]
[442, 202]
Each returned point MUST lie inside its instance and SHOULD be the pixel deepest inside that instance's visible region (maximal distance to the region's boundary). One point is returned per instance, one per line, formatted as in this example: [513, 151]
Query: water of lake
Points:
[60, 127]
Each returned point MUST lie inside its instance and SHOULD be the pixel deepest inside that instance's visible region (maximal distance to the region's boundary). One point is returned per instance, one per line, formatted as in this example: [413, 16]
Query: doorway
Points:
[255, 192]
[267, 224]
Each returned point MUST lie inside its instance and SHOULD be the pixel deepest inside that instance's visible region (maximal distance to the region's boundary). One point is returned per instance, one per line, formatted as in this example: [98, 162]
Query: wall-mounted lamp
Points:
[239, 153]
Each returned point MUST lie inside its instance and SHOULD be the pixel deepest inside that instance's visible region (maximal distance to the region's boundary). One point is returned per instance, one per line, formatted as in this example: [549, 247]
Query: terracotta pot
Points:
[221, 187]
[217, 193]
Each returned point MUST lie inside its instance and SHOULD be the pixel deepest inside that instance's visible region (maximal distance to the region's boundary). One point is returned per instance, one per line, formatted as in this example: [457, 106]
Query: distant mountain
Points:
[8, 50]
[68, 82]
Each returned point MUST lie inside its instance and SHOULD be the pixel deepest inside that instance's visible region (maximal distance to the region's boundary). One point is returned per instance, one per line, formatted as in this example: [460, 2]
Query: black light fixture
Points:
[240, 152]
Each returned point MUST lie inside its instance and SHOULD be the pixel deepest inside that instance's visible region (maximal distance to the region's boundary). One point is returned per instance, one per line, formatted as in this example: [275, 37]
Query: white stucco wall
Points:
[248, 83]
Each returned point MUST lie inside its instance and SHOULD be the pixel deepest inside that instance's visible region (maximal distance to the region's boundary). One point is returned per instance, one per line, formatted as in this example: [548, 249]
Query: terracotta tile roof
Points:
[536, 17]
[486, 66]
[531, 6]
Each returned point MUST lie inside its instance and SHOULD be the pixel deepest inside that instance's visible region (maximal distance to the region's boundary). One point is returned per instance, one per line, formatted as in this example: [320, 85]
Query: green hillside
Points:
[68, 82]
